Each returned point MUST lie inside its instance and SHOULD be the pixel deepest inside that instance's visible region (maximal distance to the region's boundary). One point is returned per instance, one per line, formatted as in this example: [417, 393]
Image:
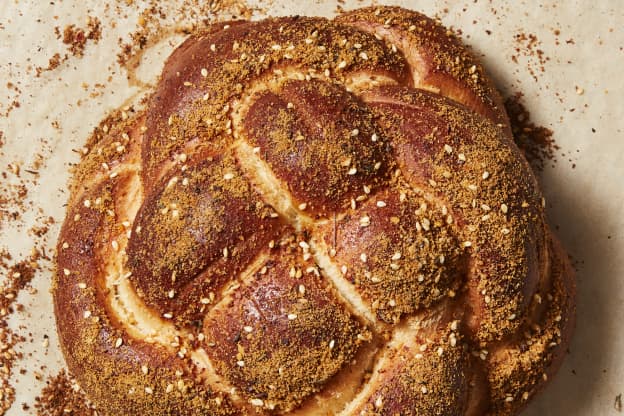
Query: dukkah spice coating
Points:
[312, 216]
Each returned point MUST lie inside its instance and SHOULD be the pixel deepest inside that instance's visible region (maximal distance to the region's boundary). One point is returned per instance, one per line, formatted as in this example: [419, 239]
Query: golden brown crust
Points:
[299, 198]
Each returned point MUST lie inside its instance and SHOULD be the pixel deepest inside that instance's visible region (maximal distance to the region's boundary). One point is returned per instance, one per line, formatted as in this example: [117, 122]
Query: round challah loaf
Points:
[312, 217]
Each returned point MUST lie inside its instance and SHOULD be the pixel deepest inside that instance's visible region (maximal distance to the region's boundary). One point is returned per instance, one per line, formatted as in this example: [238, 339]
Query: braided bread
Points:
[312, 216]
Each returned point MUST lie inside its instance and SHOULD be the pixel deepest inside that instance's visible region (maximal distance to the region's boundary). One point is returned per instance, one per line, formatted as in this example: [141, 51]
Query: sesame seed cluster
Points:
[312, 216]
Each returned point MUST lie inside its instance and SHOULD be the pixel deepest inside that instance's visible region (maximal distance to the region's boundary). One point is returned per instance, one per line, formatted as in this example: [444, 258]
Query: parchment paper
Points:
[574, 86]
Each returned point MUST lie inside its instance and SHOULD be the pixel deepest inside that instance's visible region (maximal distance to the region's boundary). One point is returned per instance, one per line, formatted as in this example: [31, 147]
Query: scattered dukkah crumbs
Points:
[528, 45]
[618, 403]
[536, 142]
[76, 38]
[61, 397]
[17, 277]
[53, 63]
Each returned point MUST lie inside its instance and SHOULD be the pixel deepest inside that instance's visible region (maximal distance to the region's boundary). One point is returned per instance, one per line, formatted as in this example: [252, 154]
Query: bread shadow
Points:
[574, 388]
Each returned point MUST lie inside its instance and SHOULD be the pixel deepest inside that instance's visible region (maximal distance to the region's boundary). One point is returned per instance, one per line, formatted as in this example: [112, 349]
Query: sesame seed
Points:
[167, 315]
[423, 389]
[172, 181]
[425, 224]
[366, 189]
[66, 272]
[485, 175]
[292, 316]
[505, 231]
[169, 388]
[355, 132]
[509, 399]
[144, 369]
[87, 203]
[394, 266]
[441, 259]
[115, 245]
[365, 221]
[343, 269]
[363, 55]
[412, 28]
[440, 351]
[504, 208]
[342, 65]
[86, 314]
[276, 47]
[247, 328]
[204, 72]
[304, 245]
[448, 149]
[332, 344]
[525, 395]
[240, 363]
[511, 317]
[171, 294]
[303, 206]
[82, 285]
[65, 245]
[302, 289]
[149, 390]
[381, 204]
[256, 402]
[352, 171]
[374, 137]
[363, 257]
[467, 243]
[118, 342]
[461, 157]
[378, 402]
[228, 176]
[396, 256]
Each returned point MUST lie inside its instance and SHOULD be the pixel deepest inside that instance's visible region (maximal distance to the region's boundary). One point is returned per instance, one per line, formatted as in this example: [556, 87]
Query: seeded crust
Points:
[312, 216]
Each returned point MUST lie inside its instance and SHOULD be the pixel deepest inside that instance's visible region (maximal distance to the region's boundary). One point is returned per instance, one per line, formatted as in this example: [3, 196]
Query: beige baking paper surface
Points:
[578, 93]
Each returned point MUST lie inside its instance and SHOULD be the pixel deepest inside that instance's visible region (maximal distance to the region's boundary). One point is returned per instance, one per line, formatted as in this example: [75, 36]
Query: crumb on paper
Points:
[618, 403]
